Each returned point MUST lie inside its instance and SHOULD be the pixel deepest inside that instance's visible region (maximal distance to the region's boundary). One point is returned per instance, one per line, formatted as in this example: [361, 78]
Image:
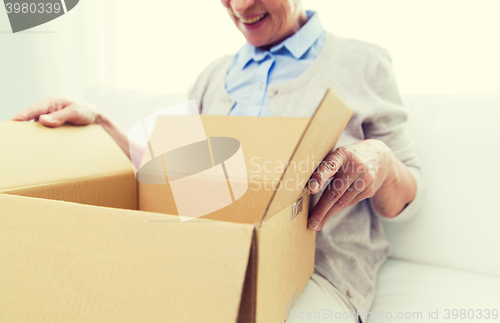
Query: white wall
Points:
[161, 46]
[437, 46]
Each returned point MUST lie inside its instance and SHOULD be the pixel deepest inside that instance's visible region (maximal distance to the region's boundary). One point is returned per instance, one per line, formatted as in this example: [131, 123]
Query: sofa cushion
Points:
[405, 287]
[457, 139]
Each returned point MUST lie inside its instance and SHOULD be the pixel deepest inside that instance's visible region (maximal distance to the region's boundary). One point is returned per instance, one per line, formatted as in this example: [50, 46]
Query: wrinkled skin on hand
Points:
[54, 112]
[366, 169]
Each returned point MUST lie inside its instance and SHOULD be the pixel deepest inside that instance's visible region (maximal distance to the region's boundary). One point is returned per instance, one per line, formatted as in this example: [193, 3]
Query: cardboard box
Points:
[92, 260]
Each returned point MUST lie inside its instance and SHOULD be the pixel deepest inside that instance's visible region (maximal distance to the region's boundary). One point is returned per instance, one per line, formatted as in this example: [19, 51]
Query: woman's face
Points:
[266, 23]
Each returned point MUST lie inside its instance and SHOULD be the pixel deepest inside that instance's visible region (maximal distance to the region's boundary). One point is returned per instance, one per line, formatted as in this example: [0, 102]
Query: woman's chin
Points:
[257, 41]
[257, 38]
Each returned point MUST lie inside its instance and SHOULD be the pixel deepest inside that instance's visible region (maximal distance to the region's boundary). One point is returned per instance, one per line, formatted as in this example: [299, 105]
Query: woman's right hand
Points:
[54, 112]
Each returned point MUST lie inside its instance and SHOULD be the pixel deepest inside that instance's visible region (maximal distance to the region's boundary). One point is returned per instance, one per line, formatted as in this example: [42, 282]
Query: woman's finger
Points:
[57, 118]
[357, 189]
[327, 169]
[36, 110]
[332, 194]
[39, 108]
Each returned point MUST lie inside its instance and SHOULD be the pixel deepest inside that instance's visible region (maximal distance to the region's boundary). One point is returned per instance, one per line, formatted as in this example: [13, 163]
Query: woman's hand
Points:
[54, 112]
[365, 169]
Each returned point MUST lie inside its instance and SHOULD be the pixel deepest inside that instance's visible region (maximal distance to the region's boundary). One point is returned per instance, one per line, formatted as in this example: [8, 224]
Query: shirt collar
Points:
[297, 44]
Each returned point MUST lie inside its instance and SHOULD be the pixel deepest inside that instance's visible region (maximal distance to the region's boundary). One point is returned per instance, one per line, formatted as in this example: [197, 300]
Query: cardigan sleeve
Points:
[389, 124]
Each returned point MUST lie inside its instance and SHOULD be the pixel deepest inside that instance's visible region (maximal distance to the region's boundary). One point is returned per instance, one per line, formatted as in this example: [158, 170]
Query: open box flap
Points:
[70, 261]
[318, 140]
[69, 163]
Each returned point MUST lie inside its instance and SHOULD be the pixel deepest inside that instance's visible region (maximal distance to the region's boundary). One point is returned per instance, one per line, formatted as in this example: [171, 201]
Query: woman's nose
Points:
[239, 6]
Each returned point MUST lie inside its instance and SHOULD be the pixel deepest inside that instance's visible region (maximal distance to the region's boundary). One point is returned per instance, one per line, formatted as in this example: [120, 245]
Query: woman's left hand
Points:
[359, 171]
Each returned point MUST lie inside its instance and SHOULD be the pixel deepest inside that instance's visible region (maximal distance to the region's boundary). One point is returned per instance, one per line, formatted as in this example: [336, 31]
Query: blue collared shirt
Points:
[253, 70]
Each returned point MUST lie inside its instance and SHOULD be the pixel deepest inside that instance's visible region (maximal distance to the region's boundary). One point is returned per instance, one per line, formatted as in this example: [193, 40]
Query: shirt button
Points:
[349, 294]
[260, 86]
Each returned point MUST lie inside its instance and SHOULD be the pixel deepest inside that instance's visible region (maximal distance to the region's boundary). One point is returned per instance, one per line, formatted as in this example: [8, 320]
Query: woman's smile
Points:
[250, 20]
[255, 22]
[266, 23]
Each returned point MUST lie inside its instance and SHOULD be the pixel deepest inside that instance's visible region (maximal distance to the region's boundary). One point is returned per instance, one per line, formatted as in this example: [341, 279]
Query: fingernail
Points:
[313, 185]
[313, 224]
[47, 118]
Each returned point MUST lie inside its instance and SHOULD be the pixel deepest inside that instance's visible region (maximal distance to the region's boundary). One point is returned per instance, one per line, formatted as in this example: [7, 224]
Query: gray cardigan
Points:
[352, 245]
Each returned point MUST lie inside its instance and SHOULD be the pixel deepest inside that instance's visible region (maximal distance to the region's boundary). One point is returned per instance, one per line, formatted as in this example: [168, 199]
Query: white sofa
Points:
[446, 257]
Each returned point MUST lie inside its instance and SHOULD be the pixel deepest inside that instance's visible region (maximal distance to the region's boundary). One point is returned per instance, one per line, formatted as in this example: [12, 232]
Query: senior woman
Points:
[284, 70]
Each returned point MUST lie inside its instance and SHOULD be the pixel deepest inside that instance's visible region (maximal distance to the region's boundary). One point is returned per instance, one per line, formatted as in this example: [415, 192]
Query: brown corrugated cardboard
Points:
[74, 164]
[318, 139]
[285, 249]
[247, 262]
[65, 262]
